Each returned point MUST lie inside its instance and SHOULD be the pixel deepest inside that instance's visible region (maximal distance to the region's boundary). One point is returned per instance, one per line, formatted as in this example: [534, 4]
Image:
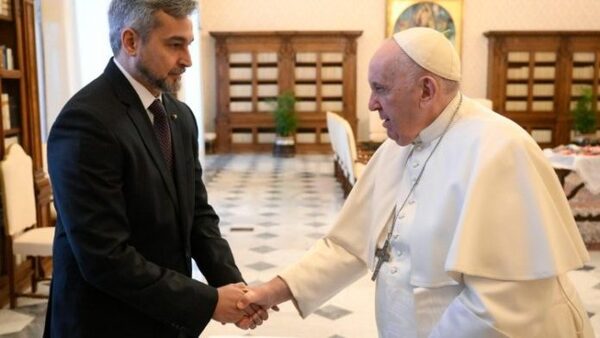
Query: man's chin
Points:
[171, 87]
[401, 141]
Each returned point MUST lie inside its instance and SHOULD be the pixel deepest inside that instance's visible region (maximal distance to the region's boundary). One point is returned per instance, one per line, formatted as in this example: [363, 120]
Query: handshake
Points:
[247, 306]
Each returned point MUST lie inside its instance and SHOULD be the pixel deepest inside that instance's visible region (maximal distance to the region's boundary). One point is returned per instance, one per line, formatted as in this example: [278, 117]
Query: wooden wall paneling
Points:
[349, 83]
[307, 54]
[562, 96]
[222, 91]
[545, 66]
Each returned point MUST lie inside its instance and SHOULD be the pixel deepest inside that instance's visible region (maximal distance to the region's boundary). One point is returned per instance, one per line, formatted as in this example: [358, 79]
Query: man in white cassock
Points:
[458, 215]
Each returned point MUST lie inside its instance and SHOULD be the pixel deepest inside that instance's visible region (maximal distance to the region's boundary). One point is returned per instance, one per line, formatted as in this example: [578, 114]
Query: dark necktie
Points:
[162, 130]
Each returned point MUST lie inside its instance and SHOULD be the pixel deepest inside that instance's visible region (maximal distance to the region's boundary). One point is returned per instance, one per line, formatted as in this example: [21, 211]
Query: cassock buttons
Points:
[415, 165]
[393, 270]
[417, 143]
[411, 201]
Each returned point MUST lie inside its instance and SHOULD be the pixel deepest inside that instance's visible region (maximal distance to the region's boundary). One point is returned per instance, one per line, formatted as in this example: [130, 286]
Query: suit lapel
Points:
[138, 115]
[181, 176]
[146, 130]
[179, 161]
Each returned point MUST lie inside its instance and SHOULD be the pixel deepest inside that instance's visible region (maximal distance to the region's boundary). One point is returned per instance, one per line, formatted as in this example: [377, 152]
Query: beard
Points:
[161, 83]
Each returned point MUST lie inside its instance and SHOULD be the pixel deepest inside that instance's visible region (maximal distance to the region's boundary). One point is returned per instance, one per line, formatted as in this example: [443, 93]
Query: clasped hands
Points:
[245, 306]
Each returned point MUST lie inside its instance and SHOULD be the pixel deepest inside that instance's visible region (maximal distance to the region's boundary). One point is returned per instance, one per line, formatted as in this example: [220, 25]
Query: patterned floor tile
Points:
[263, 249]
[241, 229]
[268, 224]
[260, 266]
[266, 235]
[228, 206]
[315, 214]
[332, 312]
[14, 322]
[310, 205]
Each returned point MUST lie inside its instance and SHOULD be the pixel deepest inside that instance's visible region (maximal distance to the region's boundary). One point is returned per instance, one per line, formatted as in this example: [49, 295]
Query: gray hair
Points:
[138, 14]
[413, 71]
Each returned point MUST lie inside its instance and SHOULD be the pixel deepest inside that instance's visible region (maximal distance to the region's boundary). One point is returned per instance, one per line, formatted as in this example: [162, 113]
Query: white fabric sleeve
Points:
[495, 308]
[324, 271]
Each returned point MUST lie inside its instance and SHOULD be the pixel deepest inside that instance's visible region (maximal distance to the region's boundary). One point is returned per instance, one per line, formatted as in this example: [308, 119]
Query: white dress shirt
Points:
[143, 93]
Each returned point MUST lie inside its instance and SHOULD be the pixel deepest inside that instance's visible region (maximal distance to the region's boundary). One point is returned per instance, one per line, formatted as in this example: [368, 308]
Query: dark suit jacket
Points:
[127, 229]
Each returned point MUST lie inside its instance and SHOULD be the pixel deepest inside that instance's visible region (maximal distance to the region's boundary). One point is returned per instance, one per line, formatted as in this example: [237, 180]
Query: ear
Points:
[129, 41]
[429, 88]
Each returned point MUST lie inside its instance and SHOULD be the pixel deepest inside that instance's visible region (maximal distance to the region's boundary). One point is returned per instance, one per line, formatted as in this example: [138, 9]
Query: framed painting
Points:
[443, 15]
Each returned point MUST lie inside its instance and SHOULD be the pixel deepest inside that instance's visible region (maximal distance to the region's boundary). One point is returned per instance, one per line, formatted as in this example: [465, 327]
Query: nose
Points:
[186, 59]
[373, 103]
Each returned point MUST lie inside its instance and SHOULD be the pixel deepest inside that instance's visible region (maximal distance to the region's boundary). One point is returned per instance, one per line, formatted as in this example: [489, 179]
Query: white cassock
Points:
[480, 249]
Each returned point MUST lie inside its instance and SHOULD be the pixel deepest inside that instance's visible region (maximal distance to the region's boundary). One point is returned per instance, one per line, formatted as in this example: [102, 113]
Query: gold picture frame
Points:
[443, 15]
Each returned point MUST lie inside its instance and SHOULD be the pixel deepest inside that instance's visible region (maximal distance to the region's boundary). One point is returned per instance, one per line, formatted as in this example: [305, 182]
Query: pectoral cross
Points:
[383, 255]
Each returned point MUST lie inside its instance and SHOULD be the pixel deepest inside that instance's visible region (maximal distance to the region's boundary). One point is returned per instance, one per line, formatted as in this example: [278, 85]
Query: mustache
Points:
[177, 71]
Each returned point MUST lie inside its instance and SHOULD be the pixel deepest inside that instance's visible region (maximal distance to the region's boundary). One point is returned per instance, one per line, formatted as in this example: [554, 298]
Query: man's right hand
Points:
[266, 296]
[226, 310]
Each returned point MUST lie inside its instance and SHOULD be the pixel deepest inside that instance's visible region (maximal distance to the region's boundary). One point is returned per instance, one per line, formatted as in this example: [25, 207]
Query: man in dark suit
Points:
[132, 207]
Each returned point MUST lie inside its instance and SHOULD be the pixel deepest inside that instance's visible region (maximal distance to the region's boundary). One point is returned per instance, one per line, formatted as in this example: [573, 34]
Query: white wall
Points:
[369, 16]
[76, 49]
[91, 39]
[61, 68]
[191, 90]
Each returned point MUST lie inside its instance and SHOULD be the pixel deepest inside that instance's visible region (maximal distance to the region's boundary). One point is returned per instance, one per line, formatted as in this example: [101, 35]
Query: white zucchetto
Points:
[431, 50]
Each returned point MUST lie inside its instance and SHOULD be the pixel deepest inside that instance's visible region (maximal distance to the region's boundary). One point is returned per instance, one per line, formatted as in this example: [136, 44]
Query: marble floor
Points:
[272, 211]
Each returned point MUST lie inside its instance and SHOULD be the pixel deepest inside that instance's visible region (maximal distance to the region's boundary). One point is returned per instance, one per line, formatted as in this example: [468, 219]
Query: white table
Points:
[587, 167]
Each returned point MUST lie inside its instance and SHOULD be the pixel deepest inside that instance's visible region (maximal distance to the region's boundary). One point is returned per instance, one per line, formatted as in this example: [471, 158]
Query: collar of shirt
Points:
[144, 94]
[436, 128]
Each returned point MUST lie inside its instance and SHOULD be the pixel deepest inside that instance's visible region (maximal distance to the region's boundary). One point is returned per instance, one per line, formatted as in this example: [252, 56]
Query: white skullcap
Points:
[431, 50]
